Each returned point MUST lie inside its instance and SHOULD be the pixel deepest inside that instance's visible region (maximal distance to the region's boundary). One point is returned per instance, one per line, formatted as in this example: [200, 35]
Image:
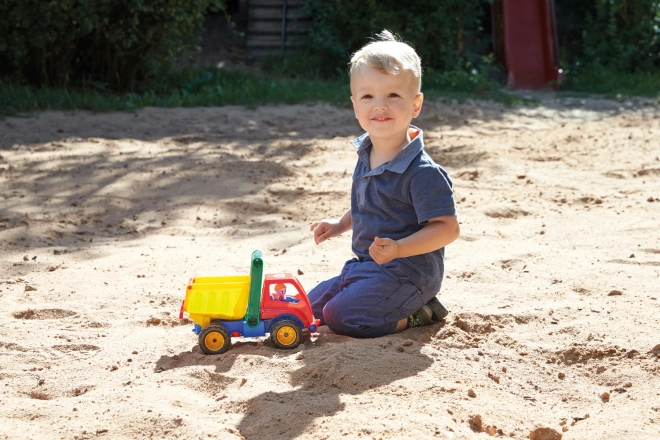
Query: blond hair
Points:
[388, 54]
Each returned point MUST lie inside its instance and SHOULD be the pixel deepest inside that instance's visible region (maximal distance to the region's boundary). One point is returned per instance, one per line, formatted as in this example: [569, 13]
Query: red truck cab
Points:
[294, 302]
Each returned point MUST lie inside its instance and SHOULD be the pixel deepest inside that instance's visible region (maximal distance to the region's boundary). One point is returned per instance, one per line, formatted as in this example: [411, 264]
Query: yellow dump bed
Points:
[209, 298]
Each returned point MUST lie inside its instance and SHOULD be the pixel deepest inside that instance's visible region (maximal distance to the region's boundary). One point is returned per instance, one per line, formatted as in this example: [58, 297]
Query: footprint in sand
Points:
[506, 212]
[44, 314]
[77, 348]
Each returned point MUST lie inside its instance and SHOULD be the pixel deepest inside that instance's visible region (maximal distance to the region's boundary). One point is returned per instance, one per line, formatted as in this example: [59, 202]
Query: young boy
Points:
[402, 206]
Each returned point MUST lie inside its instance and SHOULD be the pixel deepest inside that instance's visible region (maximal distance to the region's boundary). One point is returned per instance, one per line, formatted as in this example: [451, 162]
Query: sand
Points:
[553, 286]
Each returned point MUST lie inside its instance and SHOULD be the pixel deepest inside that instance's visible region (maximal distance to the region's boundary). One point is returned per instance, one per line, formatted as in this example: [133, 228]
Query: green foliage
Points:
[305, 63]
[457, 80]
[611, 41]
[623, 35]
[446, 34]
[213, 87]
[618, 35]
[210, 87]
[598, 79]
[102, 43]
[86, 54]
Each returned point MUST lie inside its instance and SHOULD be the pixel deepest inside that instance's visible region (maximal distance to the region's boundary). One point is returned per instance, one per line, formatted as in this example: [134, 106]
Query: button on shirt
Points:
[396, 200]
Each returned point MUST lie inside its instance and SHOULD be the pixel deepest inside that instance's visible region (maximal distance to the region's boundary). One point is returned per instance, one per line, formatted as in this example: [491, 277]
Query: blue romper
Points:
[393, 201]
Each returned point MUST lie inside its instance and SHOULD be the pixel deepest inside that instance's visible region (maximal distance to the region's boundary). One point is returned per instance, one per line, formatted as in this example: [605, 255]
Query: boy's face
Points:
[384, 104]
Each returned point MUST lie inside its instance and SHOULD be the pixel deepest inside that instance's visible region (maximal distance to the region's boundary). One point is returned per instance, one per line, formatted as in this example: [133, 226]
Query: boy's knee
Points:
[334, 319]
[320, 295]
[342, 323]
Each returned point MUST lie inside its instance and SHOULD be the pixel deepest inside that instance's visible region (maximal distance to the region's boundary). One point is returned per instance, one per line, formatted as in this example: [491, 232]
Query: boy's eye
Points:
[367, 97]
[393, 95]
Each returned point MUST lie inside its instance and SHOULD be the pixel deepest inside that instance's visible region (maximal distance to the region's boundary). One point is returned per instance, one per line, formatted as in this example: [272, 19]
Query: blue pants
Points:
[366, 300]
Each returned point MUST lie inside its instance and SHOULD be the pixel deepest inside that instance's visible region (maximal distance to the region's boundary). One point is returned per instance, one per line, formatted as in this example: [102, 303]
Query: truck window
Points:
[285, 292]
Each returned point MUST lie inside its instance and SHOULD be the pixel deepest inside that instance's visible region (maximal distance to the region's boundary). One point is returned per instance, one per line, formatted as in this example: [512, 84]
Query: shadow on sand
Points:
[328, 367]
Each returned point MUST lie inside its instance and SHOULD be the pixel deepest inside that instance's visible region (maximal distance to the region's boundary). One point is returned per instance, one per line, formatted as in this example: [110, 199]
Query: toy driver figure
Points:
[280, 292]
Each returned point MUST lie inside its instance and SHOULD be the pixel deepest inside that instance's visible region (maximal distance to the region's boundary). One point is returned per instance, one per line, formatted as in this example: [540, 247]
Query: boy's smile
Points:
[385, 104]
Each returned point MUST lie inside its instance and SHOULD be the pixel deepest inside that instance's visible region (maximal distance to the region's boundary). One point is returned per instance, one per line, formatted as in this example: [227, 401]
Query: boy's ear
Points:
[417, 104]
[353, 101]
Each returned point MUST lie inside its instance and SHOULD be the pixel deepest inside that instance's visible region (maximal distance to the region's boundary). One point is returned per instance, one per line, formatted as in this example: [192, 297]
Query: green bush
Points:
[447, 35]
[617, 35]
[304, 63]
[102, 43]
[453, 37]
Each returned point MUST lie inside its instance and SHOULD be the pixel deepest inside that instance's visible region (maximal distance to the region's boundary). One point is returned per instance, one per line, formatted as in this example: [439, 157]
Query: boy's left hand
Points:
[383, 250]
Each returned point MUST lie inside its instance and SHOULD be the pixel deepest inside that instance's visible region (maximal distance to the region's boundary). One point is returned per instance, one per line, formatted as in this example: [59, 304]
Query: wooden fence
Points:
[274, 26]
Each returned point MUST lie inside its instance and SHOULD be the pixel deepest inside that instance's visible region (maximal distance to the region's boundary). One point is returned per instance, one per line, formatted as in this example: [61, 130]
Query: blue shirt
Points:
[396, 200]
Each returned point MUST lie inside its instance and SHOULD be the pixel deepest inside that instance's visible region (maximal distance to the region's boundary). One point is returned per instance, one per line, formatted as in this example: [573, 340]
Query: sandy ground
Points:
[553, 286]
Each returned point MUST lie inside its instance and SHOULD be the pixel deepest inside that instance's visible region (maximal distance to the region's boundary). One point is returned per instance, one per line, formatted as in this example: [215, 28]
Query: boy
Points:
[402, 206]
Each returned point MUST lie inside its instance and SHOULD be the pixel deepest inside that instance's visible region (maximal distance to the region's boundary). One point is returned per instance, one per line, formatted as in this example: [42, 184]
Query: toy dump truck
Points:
[250, 306]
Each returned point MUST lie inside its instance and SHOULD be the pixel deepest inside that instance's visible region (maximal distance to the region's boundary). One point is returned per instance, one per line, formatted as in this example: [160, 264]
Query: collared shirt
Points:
[396, 200]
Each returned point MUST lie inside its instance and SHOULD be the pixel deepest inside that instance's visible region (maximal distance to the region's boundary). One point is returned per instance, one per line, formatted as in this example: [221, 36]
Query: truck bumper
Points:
[235, 328]
[314, 325]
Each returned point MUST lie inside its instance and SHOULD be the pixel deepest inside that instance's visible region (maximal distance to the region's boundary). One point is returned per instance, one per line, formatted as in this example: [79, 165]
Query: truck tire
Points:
[214, 340]
[286, 334]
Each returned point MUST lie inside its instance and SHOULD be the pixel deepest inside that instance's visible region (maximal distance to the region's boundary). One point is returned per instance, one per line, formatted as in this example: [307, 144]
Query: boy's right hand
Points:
[325, 229]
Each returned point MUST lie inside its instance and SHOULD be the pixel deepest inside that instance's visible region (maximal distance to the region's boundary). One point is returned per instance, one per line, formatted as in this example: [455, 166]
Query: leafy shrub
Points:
[617, 35]
[457, 80]
[305, 63]
[113, 43]
[453, 36]
[447, 34]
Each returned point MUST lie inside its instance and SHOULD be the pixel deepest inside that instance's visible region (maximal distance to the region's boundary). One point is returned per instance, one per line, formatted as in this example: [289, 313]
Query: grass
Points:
[598, 80]
[191, 89]
[213, 87]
